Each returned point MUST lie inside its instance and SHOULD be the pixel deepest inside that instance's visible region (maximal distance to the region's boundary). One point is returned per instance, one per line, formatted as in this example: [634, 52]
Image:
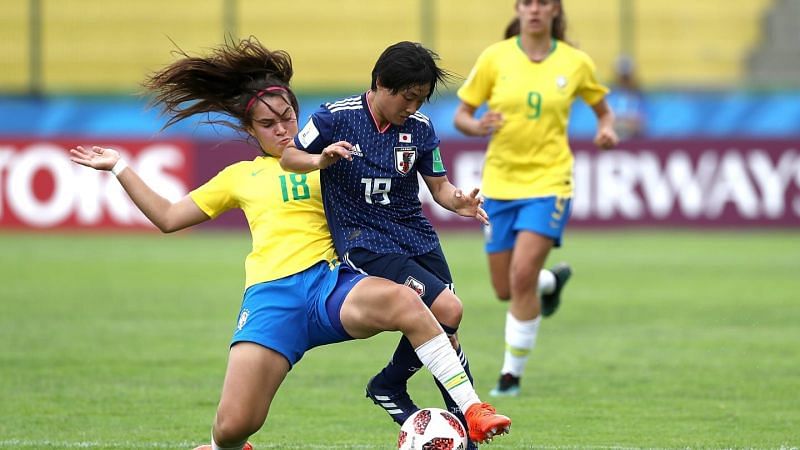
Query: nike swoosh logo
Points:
[256, 172]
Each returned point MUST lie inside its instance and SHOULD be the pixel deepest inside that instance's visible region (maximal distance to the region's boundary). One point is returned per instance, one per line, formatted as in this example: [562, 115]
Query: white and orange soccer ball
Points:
[432, 429]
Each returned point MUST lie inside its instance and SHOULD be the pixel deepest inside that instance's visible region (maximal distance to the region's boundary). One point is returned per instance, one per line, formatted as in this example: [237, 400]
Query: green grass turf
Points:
[664, 340]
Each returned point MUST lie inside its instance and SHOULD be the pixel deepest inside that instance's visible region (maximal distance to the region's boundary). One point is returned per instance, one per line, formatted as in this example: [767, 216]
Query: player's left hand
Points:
[334, 152]
[606, 138]
[470, 205]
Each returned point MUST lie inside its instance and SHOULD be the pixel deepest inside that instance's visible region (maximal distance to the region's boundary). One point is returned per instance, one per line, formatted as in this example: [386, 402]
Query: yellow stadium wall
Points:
[14, 46]
[101, 46]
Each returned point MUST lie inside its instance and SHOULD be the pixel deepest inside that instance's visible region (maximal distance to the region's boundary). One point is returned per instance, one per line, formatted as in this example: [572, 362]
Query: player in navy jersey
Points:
[371, 198]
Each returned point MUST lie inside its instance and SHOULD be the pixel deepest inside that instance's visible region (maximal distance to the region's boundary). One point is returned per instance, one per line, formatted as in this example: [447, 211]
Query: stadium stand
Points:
[335, 43]
[14, 46]
[112, 45]
[104, 48]
[97, 46]
[704, 44]
[776, 61]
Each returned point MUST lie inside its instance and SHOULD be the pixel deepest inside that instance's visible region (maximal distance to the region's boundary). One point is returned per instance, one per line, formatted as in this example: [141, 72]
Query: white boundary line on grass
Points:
[68, 444]
[23, 443]
[26, 443]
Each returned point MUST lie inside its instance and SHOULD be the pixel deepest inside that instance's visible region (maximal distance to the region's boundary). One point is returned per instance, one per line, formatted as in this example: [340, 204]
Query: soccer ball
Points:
[432, 429]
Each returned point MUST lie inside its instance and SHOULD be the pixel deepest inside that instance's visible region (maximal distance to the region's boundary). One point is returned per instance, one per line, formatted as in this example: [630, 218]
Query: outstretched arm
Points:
[606, 137]
[299, 161]
[167, 216]
[453, 198]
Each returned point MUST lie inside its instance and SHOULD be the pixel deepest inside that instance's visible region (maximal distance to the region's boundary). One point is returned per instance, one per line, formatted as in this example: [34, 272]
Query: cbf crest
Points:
[243, 318]
[404, 158]
[561, 82]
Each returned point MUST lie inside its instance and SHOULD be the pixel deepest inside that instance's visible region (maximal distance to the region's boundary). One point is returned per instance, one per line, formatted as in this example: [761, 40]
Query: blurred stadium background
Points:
[717, 92]
[683, 339]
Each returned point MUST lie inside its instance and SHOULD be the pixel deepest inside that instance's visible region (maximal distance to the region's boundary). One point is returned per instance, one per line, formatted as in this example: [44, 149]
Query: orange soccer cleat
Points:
[484, 422]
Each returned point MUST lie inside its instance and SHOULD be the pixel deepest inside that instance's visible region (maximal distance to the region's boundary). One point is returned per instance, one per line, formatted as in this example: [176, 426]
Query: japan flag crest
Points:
[404, 158]
[405, 138]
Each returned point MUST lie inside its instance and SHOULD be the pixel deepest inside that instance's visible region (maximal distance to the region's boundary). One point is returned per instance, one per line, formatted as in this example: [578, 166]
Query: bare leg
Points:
[521, 268]
[527, 260]
[253, 376]
[376, 305]
[499, 270]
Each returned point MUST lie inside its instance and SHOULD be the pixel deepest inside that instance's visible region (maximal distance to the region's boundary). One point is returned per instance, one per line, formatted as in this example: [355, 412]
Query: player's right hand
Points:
[490, 122]
[97, 158]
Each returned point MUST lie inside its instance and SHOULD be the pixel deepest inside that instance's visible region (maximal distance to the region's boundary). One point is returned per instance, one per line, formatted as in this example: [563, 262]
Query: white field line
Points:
[23, 443]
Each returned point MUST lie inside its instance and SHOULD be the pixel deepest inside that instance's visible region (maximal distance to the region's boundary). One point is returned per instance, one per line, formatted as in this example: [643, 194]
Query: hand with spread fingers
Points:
[470, 205]
[335, 152]
[97, 158]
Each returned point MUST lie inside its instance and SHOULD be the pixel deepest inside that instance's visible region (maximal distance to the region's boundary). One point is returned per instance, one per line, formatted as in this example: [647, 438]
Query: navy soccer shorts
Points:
[427, 274]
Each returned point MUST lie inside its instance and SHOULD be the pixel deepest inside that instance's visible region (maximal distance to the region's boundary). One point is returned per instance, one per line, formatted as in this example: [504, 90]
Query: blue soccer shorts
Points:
[296, 313]
[428, 274]
[547, 216]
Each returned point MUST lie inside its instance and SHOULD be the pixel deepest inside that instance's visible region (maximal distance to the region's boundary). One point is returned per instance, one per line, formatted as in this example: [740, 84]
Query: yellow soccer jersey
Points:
[529, 156]
[283, 209]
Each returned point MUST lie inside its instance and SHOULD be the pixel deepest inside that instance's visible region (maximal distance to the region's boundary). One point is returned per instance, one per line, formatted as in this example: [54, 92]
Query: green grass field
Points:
[664, 340]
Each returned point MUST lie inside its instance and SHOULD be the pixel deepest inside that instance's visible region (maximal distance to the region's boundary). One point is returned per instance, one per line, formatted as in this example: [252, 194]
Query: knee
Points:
[405, 306]
[410, 312]
[448, 309]
[522, 279]
[233, 429]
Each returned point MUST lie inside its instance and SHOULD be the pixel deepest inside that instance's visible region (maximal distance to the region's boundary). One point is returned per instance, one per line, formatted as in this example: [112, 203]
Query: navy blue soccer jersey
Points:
[372, 202]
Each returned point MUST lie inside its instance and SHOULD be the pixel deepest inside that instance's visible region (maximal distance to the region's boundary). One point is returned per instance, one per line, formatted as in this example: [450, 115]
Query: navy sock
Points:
[404, 365]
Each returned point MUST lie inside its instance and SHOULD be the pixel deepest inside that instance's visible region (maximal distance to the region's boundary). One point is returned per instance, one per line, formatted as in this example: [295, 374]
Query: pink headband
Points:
[260, 93]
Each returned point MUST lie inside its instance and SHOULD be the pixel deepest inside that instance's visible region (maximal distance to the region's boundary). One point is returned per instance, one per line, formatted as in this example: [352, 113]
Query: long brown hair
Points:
[558, 29]
[226, 81]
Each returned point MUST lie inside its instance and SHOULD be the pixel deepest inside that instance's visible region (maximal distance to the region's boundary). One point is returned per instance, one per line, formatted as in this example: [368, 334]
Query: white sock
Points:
[547, 282]
[215, 446]
[520, 340]
[440, 358]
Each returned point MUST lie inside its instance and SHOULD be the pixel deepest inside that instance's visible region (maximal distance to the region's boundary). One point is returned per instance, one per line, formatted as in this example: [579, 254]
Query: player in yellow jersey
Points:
[529, 81]
[297, 295]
